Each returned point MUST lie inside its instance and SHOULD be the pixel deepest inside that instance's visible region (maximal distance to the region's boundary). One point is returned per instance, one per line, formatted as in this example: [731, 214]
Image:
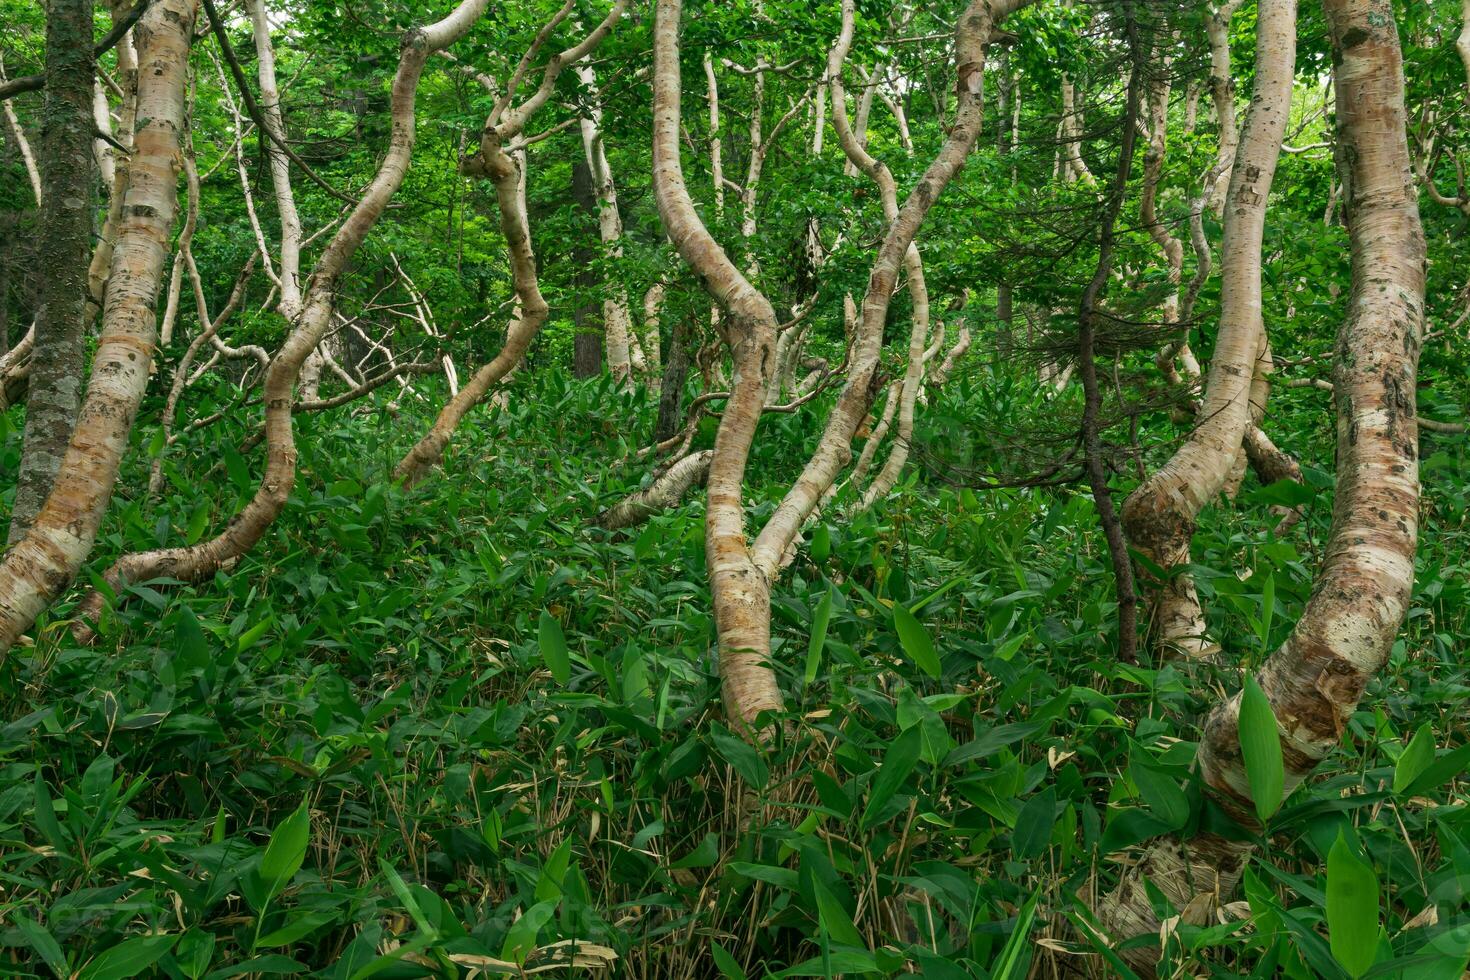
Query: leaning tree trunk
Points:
[204, 559]
[1316, 679]
[1161, 514]
[68, 172]
[38, 566]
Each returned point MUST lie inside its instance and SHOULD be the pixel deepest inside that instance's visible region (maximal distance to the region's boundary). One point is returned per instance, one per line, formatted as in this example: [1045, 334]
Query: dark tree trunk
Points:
[587, 352]
[68, 173]
[676, 369]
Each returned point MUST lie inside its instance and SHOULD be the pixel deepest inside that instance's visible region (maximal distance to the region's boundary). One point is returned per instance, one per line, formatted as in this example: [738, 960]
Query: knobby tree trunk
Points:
[37, 567]
[1315, 680]
[68, 172]
[1161, 514]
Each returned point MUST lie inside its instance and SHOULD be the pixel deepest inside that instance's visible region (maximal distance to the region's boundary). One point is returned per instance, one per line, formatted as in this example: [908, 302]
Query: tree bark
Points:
[278, 392]
[506, 169]
[1161, 514]
[68, 173]
[676, 370]
[742, 602]
[590, 329]
[1315, 680]
[37, 567]
[617, 324]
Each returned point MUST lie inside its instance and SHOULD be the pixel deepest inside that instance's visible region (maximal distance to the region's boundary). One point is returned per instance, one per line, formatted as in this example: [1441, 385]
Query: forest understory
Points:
[658, 489]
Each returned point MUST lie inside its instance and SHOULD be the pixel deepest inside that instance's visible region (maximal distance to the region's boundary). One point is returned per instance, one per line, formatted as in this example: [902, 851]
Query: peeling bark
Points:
[667, 491]
[1315, 680]
[1161, 514]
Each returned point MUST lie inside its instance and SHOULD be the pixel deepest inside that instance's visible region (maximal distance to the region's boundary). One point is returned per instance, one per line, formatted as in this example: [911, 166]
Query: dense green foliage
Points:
[458, 730]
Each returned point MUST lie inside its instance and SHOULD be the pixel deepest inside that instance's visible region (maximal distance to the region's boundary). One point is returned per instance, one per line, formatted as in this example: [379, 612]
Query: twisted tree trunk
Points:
[1316, 679]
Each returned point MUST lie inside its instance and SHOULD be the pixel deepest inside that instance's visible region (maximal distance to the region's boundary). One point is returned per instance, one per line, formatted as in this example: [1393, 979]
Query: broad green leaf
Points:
[703, 856]
[45, 945]
[834, 918]
[1352, 908]
[128, 958]
[1416, 757]
[554, 872]
[745, 760]
[554, 648]
[915, 640]
[520, 940]
[729, 967]
[1006, 965]
[1159, 790]
[1034, 825]
[1260, 744]
[286, 850]
[898, 762]
[45, 814]
[1440, 771]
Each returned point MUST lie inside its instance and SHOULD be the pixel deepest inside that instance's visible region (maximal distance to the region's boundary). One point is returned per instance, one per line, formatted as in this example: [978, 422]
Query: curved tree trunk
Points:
[68, 173]
[1160, 515]
[37, 567]
[1316, 678]
[506, 172]
[202, 560]
[742, 601]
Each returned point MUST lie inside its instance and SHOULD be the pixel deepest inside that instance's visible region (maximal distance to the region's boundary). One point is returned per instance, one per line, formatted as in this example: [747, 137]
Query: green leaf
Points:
[45, 945]
[834, 918]
[296, 927]
[1159, 790]
[1440, 771]
[729, 966]
[744, 759]
[1352, 908]
[1416, 757]
[1034, 825]
[554, 872]
[820, 619]
[706, 854]
[128, 958]
[1260, 744]
[45, 814]
[554, 648]
[898, 762]
[286, 850]
[1268, 609]
[520, 940]
[1020, 940]
[915, 640]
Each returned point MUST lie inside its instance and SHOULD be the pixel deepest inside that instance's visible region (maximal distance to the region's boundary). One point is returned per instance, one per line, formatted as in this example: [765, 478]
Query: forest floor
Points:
[458, 729]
